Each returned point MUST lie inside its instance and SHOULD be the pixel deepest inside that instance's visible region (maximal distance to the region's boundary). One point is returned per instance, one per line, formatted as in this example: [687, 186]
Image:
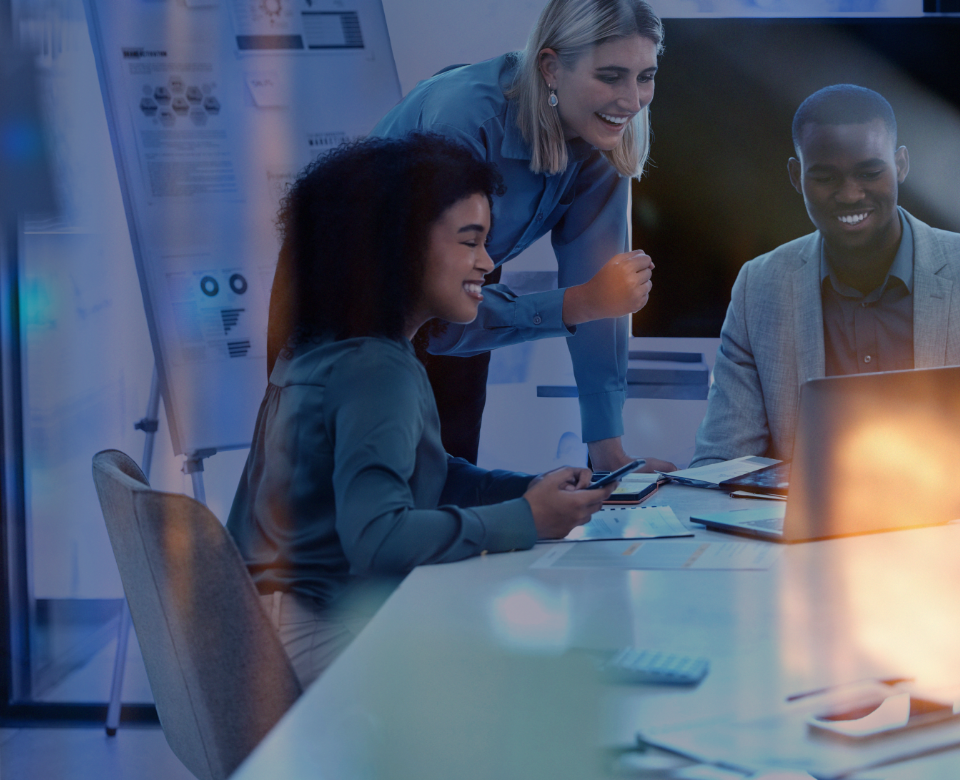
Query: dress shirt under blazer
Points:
[772, 341]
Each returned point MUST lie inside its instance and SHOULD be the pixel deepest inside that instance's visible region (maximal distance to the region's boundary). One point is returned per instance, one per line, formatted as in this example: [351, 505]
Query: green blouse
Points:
[347, 477]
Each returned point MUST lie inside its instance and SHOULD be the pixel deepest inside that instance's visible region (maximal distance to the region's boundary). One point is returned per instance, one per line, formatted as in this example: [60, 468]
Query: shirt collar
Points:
[901, 268]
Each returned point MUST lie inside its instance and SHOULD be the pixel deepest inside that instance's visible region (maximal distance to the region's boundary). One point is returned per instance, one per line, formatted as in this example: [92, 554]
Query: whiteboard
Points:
[213, 107]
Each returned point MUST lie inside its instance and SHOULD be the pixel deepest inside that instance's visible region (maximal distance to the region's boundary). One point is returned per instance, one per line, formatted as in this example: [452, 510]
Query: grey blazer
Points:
[772, 341]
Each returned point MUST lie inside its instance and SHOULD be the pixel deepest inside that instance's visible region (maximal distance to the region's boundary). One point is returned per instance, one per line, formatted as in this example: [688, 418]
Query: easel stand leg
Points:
[193, 465]
[149, 426]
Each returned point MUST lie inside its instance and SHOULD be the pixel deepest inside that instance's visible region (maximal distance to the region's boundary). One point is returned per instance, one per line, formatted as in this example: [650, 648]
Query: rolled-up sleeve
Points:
[593, 230]
[374, 413]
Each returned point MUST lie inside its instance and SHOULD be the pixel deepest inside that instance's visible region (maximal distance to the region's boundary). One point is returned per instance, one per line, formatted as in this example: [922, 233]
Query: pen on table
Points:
[827, 689]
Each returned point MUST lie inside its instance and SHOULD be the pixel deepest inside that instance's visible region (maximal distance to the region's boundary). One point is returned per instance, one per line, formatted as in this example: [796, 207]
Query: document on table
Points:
[715, 473]
[633, 522]
[659, 555]
[781, 737]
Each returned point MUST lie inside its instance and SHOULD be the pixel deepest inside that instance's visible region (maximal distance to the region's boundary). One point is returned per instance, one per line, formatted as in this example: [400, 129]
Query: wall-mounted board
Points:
[213, 106]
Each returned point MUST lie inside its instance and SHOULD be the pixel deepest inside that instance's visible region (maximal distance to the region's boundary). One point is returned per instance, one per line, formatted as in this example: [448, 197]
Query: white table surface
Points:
[466, 670]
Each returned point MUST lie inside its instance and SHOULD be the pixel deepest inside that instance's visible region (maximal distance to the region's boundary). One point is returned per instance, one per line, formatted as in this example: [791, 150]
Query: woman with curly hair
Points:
[347, 478]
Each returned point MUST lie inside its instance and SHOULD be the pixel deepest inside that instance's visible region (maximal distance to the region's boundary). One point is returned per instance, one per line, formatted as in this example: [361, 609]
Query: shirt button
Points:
[540, 217]
[537, 319]
[867, 359]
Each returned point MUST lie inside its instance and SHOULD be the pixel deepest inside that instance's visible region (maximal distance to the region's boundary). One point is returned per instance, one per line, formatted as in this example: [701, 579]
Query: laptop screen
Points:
[875, 452]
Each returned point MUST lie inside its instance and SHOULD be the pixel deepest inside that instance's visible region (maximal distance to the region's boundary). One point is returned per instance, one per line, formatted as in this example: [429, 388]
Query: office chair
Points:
[219, 675]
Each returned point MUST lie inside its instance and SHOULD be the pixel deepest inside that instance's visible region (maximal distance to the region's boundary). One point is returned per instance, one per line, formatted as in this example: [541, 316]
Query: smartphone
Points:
[614, 476]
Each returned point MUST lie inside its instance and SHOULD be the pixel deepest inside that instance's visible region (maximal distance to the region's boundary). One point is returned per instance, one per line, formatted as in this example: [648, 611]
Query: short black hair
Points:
[355, 227]
[843, 104]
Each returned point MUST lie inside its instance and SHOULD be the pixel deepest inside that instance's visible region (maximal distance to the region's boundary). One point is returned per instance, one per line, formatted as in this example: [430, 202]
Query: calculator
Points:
[653, 667]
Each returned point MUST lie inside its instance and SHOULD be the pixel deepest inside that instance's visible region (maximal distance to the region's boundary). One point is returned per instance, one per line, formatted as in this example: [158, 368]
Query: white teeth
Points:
[853, 219]
[617, 120]
[473, 288]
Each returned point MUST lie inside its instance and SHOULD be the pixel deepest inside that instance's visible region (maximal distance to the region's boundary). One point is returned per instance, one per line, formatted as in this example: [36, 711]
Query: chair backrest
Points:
[219, 675]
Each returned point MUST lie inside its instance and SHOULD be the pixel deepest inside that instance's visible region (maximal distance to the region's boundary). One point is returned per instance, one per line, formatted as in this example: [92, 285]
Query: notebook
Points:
[873, 452]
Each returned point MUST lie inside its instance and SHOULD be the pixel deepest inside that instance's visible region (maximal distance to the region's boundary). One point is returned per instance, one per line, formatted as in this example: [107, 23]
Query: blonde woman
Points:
[566, 121]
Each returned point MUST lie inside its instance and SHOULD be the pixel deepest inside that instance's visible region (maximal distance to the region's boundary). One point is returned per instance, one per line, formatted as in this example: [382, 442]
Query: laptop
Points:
[873, 452]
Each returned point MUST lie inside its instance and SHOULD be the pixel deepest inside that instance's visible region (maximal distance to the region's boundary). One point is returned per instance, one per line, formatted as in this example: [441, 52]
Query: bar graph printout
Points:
[660, 554]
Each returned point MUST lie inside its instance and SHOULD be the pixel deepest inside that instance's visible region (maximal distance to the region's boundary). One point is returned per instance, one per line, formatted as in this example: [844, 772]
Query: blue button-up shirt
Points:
[872, 332]
[584, 208]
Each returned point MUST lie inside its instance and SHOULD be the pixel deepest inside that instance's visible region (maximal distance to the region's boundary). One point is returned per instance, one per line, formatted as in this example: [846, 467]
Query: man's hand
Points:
[608, 455]
[621, 287]
[560, 503]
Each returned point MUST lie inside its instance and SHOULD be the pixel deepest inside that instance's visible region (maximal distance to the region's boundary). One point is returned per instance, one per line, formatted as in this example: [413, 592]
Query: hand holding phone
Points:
[614, 476]
[559, 501]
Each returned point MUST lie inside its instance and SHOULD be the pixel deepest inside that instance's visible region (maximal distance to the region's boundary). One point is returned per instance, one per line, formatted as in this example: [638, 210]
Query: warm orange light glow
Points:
[903, 608]
[883, 605]
[897, 451]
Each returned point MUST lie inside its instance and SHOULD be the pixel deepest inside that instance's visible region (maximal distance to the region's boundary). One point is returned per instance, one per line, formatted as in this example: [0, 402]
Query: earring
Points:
[552, 100]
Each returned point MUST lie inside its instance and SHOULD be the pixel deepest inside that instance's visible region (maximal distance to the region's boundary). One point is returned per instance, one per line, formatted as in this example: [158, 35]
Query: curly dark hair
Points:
[355, 226]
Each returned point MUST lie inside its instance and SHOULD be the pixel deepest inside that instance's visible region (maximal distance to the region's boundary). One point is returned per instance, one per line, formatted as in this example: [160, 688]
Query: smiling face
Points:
[606, 87]
[849, 177]
[456, 263]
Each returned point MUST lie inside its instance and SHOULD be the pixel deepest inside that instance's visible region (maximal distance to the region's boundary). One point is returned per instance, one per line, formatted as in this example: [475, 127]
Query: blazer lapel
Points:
[931, 299]
[808, 313]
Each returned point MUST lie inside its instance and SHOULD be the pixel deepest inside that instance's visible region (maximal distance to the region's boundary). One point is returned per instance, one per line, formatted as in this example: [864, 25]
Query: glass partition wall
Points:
[77, 364]
[76, 373]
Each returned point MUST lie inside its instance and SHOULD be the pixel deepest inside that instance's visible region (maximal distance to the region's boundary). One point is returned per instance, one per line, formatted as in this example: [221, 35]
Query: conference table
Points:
[486, 668]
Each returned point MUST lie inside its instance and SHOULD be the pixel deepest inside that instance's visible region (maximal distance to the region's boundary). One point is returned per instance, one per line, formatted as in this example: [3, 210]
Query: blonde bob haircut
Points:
[570, 28]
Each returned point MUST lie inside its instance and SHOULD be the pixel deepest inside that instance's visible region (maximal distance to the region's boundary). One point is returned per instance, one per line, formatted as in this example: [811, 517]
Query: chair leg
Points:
[119, 666]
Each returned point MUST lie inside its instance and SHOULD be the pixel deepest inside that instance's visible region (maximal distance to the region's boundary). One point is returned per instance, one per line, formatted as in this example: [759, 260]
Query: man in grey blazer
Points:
[873, 289]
